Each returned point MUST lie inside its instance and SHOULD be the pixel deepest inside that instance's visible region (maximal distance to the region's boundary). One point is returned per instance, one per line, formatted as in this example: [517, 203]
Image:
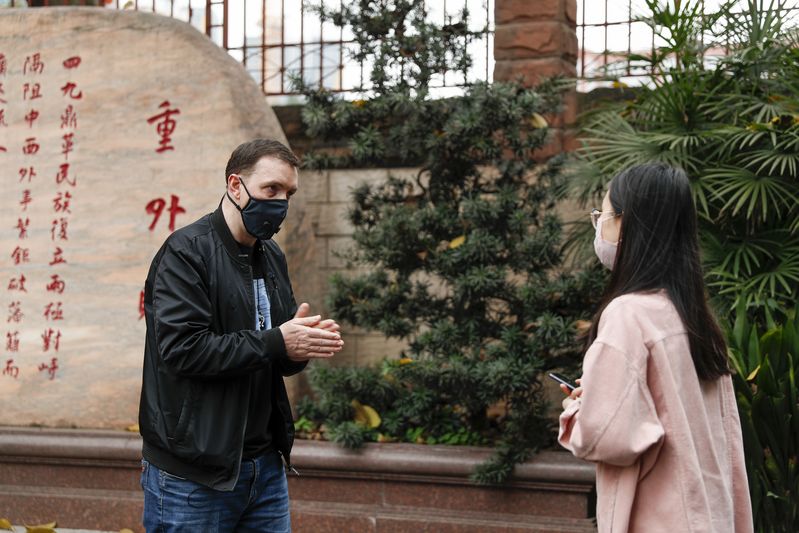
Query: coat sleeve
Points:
[182, 320]
[615, 420]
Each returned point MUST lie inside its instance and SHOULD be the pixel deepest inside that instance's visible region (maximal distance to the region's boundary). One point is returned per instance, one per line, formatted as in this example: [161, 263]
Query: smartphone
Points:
[562, 380]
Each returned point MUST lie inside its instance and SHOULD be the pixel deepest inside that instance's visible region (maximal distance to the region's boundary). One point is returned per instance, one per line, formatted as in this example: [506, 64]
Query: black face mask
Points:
[262, 218]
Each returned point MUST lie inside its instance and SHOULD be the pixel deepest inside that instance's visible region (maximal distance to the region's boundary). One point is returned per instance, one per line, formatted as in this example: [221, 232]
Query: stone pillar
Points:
[536, 39]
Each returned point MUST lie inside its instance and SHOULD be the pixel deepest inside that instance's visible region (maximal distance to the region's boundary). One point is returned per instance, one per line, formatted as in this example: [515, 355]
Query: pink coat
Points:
[667, 446]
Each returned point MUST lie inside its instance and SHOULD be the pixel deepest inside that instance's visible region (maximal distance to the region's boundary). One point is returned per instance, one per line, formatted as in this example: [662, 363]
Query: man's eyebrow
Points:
[277, 182]
[271, 182]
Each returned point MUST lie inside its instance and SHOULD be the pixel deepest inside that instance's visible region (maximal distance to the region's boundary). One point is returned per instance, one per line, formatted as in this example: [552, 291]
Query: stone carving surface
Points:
[115, 128]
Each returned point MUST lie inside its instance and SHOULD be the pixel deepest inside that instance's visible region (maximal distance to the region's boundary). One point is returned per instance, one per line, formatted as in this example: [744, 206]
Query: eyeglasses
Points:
[595, 214]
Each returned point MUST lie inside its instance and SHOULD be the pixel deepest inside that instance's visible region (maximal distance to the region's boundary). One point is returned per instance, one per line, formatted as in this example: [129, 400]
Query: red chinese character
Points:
[26, 199]
[70, 118]
[12, 341]
[63, 175]
[17, 284]
[20, 255]
[51, 368]
[69, 90]
[11, 369]
[156, 207]
[72, 62]
[59, 229]
[31, 116]
[67, 145]
[53, 311]
[58, 256]
[56, 285]
[34, 89]
[22, 226]
[31, 146]
[3, 64]
[2, 92]
[34, 64]
[166, 127]
[15, 313]
[3, 118]
[26, 173]
[47, 339]
[61, 202]
[141, 304]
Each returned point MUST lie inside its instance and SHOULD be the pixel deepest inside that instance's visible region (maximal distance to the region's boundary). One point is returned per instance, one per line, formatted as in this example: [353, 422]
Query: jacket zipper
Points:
[251, 296]
[251, 299]
[272, 291]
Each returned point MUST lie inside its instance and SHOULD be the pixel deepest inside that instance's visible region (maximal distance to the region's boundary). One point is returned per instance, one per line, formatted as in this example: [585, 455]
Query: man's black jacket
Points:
[200, 348]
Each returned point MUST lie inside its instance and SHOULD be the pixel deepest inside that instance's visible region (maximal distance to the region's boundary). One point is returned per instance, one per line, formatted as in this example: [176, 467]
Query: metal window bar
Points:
[263, 45]
[214, 18]
[46, 3]
[282, 48]
[592, 63]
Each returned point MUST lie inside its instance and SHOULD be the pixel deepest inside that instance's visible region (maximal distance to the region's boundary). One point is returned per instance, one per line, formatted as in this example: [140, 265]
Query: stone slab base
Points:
[86, 479]
[324, 518]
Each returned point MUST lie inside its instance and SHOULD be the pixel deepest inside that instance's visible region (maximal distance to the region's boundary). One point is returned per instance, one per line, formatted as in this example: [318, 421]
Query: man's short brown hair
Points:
[246, 155]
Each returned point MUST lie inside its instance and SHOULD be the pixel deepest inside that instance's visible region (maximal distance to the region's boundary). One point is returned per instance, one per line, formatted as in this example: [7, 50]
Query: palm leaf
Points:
[681, 140]
[735, 139]
[770, 161]
[779, 282]
[789, 140]
[739, 188]
[743, 257]
[699, 194]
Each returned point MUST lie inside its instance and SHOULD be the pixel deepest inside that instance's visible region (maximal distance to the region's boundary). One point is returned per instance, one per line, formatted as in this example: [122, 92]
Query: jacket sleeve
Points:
[182, 317]
[614, 421]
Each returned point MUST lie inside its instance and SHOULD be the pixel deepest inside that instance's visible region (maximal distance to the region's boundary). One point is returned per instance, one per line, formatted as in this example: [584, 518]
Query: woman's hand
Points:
[571, 395]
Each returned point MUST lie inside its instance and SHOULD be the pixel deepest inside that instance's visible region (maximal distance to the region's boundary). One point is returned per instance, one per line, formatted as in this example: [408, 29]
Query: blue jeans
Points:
[259, 501]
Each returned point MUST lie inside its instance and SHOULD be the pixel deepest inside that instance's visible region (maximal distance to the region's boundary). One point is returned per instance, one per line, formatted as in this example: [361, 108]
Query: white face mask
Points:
[605, 251]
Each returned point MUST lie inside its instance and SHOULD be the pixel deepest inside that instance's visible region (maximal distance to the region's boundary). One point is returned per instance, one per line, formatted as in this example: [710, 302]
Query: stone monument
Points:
[115, 128]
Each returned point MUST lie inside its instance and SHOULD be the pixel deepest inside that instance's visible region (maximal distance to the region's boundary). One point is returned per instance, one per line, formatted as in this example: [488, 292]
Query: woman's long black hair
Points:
[659, 249]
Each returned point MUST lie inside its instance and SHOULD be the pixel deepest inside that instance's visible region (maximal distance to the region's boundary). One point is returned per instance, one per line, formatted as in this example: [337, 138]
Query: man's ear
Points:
[234, 185]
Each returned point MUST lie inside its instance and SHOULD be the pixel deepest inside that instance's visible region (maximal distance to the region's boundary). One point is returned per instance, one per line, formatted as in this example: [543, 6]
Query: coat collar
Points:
[222, 229]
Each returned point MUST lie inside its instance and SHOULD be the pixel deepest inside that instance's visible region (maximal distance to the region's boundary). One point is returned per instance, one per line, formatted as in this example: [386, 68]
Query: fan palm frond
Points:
[739, 188]
[772, 162]
[735, 140]
[744, 257]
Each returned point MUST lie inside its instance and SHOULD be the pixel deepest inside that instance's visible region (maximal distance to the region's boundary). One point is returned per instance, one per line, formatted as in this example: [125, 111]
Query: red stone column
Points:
[536, 39]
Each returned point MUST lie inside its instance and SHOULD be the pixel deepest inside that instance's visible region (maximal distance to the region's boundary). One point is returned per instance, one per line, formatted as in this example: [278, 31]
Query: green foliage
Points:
[767, 367]
[408, 414]
[733, 125]
[406, 49]
[465, 259]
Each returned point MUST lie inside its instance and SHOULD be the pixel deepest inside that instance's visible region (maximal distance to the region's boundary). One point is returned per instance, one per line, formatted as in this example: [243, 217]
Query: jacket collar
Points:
[222, 229]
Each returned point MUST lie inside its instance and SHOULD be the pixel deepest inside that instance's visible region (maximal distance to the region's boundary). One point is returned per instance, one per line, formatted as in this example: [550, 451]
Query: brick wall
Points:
[535, 39]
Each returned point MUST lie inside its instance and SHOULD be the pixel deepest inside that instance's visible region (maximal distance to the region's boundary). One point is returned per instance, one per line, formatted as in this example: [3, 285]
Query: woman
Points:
[656, 408]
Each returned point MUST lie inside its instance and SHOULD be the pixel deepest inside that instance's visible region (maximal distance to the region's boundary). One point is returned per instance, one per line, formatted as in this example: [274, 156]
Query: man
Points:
[222, 330]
